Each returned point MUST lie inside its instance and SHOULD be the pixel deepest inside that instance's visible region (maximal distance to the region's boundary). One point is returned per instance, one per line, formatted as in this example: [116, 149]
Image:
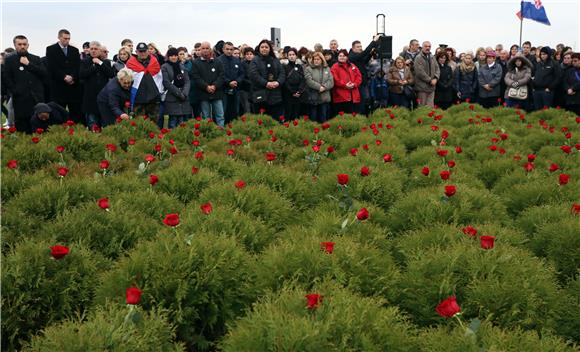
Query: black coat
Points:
[444, 88]
[466, 83]
[259, 78]
[26, 86]
[572, 81]
[206, 73]
[111, 102]
[295, 81]
[362, 59]
[546, 75]
[94, 77]
[58, 67]
[57, 116]
[233, 70]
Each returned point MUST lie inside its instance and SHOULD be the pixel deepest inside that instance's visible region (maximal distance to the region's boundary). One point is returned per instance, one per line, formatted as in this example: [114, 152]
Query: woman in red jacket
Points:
[347, 79]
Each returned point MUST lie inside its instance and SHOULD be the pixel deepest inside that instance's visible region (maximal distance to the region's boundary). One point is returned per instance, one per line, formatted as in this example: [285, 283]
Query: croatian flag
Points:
[534, 11]
[154, 69]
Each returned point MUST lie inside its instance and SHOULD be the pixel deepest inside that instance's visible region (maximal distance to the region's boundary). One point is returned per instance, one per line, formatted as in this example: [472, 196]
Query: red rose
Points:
[173, 150]
[564, 179]
[111, 147]
[305, 142]
[330, 149]
[448, 307]
[502, 151]
[39, 130]
[353, 151]
[503, 136]
[327, 247]
[230, 152]
[198, 156]
[470, 231]
[325, 126]
[171, 220]
[342, 179]
[270, 156]
[131, 141]
[458, 150]
[425, 170]
[62, 171]
[444, 134]
[240, 184]
[531, 157]
[445, 174]
[206, 208]
[133, 295]
[103, 203]
[316, 130]
[195, 143]
[387, 158]
[313, 300]
[451, 163]
[58, 251]
[12, 130]
[450, 190]
[365, 171]
[362, 214]
[529, 166]
[127, 104]
[442, 152]
[194, 170]
[153, 179]
[365, 146]
[157, 148]
[493, 147]
[12, 164]
[315, 148]
[104, 164]
[554, 167]
[487, 242]
[575, 208]
[566, 149]
[149, 158]
[341, 113]
[35, 140]
[59, 149]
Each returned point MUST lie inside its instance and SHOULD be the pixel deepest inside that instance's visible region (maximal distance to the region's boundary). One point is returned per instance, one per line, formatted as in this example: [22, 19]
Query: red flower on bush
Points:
[529, 166]
[448, 307]
[563, 179]
[330, 149]
[103, 203]
[171, 220]
[353, 151]
[327, 247]
[387, 158]
[58, 251]
[442, 152]
[566, 149]
[153, 179]
[554, 167]
[104, 164]
[198, 156]
[173, 150]
[575, 208]
[270, 156]
[365, 171]
[194, 170]
[342, 179]
[313, 300]
[149, 158]
[59, 149]
[133, 295]
[12, 164]
[240, 184]
[531, 157]
[451, 163]
[450, 190]
[111, 147]
[315, 148]
[487, 242]
[131, 141]
[62, 171]
[445, 174]
[470, 231]
[458, 150]
[362, 214]
[35, 140]
[425, 170]
[206, 208]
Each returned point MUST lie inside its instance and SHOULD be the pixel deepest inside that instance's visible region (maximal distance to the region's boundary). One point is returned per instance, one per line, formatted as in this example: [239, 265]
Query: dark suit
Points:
[25, 85]
[59, 66]
[94, 78]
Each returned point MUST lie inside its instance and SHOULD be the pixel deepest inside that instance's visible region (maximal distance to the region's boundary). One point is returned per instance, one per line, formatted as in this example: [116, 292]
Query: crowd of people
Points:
[224, 81]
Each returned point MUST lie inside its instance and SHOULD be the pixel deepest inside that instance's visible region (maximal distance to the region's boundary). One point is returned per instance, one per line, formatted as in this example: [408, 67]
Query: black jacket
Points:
[259, 77]
[94, 77]
[444, 88]
[233, 70]
[111, 102]
[206, 73]
[59, 66]
[547, 74]
[295, 81]
[572, 81]
[362, 59]
[466, 83]
[246, 84]
[57, 116]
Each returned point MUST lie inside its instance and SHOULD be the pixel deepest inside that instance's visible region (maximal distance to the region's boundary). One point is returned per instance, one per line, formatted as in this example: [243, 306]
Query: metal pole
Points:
[521, 21]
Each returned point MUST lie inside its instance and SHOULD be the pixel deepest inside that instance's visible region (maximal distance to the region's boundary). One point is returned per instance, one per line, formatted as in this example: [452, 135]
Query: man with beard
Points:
[24, 74]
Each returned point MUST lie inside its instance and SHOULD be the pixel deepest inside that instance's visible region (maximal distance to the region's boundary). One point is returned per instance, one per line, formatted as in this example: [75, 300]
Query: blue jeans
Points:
[231, 106]
[319, 112]
[543, 98]
[175, 120]
[213, 109]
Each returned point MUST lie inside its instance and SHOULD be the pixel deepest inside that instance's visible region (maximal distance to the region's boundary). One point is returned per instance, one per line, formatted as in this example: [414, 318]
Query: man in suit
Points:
[63, 62]
[24, 75]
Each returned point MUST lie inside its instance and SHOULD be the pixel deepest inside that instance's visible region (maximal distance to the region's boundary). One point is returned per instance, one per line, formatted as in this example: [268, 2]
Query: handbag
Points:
[519, 93]
[409, 93]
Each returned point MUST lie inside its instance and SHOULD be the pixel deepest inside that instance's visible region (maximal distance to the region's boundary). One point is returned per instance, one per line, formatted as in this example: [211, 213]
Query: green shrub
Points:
[106, 330]
[38, 290]
[343, 322]
[203, 285]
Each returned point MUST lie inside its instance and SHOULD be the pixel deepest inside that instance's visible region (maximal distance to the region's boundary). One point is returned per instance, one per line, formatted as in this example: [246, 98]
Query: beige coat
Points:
[393, 78]
[425, 71]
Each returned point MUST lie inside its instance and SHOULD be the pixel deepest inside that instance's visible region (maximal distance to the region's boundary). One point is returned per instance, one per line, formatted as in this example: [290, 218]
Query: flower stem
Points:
[456, 316]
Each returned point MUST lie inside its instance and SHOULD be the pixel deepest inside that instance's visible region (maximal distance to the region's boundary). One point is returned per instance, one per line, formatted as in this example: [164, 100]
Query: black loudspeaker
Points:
[385, 47]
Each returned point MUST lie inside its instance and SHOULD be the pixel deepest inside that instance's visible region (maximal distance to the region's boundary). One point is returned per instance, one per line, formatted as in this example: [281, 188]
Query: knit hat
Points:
[546, 50]
[172, 52]
[490, 53]
[41, 107]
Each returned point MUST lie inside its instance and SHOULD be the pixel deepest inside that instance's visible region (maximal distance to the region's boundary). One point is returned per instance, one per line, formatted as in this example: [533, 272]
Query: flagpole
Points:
[521, 21]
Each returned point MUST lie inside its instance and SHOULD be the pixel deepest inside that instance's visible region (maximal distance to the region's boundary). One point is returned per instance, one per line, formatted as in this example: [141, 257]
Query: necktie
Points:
[64, 50]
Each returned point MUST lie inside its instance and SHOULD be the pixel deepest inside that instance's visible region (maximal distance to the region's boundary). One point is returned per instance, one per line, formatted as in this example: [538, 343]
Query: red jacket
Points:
[342, 74]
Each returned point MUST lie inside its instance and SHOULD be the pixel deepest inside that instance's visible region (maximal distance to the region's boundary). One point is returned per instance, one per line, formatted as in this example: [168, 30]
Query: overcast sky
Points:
[464, 25]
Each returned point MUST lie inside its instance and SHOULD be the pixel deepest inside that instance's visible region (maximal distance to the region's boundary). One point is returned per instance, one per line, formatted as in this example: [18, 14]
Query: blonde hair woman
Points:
[122, 56]
[319, 83]
[400, 81]
[465, 80]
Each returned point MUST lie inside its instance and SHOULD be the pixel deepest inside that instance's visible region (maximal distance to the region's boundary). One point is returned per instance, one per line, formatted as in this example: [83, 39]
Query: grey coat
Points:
[317, 76]
[521, 76]
[425, 70]
[176, 101]
[491, 76]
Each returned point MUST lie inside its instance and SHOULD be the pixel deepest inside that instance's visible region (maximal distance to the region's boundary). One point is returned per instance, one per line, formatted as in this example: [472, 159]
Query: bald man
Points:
[208, 78]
